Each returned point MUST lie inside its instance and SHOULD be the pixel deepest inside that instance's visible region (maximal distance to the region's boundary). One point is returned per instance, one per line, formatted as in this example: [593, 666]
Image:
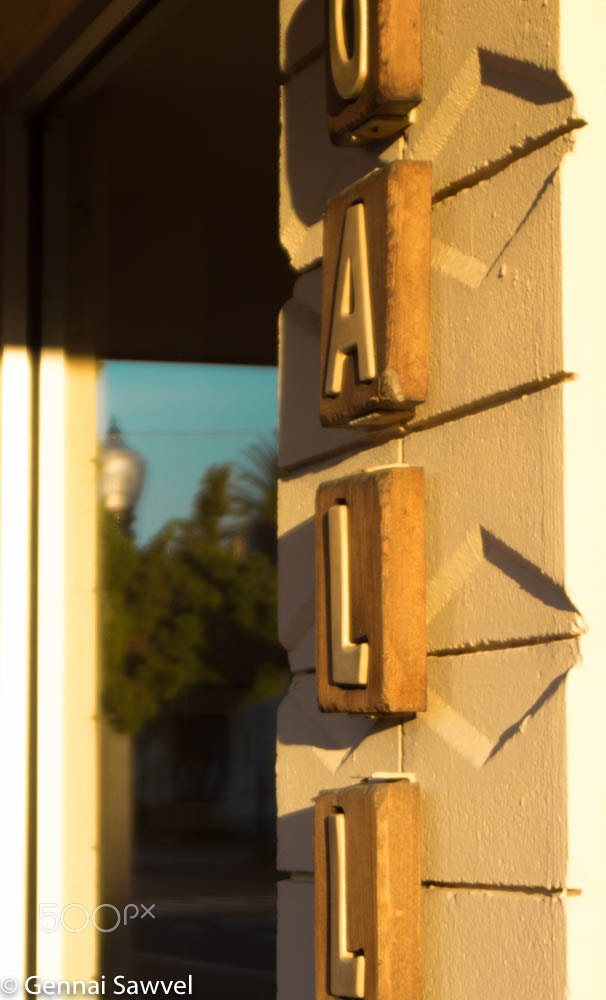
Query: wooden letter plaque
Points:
[368, 892]
[370, 593]
[375, 298]
[374, 74]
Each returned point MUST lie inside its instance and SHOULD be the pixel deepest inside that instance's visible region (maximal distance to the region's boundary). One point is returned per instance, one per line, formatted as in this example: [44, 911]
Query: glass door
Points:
[159, 670]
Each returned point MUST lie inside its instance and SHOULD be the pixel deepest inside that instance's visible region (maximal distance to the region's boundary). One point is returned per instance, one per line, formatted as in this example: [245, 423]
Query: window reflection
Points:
[192, 671]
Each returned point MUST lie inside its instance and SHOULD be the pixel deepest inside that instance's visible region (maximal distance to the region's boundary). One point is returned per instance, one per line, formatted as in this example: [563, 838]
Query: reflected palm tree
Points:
[255, 496]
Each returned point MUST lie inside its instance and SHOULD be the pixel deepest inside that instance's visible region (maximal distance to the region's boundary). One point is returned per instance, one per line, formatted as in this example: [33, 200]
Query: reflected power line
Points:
[220, 432]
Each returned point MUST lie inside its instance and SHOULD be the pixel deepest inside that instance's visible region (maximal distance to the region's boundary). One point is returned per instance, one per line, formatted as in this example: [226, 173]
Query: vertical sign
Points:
[370, 533]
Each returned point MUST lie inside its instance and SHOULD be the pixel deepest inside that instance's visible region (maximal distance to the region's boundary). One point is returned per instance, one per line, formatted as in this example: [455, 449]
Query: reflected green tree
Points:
[195, 606]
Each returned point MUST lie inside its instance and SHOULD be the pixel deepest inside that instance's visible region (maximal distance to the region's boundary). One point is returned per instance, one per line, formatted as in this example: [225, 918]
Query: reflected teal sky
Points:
[183, 418]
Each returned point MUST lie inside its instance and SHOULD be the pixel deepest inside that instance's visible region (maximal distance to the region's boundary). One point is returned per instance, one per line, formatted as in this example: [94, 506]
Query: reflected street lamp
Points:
[122, 475]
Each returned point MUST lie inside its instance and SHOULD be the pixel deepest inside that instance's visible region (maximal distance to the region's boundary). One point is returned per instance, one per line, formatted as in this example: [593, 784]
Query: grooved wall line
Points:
[494, 168]
[437, 420]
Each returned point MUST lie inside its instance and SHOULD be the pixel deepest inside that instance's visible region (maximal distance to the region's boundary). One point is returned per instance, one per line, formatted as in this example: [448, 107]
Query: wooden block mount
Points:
[381, 921]
[385, 582]
[375, 298]
[381, 40]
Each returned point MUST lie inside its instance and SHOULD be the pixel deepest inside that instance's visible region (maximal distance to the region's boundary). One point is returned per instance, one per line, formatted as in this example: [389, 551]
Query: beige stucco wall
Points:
[510, 752]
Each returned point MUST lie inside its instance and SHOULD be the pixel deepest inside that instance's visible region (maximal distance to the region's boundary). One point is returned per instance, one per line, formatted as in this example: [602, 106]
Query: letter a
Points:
[351, 322]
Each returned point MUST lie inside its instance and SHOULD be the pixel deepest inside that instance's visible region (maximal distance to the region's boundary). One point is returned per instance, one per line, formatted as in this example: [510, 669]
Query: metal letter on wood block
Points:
[375, 298]
[368, 892]
[370, 593]
[373, 68]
